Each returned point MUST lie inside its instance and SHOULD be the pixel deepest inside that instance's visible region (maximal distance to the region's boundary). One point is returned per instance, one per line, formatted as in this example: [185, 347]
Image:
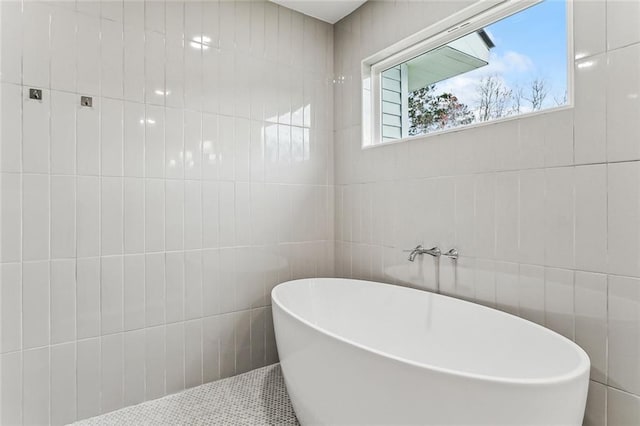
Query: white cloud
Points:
[465, 86]
[518, 62]
[509, 62]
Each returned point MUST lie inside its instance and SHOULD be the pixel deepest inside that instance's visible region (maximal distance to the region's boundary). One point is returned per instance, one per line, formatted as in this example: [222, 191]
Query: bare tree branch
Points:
[517, 99]
[494, 98]
[561, 100]
[538, 93]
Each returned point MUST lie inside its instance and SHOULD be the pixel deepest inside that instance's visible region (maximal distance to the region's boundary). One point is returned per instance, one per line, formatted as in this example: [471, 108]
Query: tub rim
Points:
[582, 367]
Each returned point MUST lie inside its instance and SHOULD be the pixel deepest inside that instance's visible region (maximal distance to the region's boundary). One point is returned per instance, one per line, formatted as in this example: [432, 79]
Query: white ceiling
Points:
[330, 11]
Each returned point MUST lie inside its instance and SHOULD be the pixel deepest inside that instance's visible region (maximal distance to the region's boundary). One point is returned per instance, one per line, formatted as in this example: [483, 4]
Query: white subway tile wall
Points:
[545, 210]
[141, 236]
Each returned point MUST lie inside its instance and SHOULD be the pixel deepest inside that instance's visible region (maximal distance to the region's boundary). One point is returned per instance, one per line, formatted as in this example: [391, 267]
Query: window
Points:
[509, 60]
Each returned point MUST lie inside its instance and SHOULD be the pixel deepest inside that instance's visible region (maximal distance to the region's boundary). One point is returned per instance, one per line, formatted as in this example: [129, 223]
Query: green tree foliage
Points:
[429, 112]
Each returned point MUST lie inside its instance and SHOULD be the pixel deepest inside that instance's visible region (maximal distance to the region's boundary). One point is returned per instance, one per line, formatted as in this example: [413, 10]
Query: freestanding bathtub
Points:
[359, 352]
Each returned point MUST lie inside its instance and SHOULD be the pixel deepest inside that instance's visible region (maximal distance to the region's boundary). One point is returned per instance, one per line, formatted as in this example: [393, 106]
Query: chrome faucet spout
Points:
[412, 255]
[434, 251]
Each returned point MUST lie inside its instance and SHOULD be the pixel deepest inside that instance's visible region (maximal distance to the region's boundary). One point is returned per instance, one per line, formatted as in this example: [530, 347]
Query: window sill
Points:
[468, 127]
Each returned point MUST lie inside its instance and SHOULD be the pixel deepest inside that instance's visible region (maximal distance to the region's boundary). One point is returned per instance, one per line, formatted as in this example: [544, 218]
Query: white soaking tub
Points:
[360, 352]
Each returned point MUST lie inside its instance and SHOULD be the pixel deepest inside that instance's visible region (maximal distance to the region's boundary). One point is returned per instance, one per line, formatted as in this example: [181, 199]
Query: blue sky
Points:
[530, 44]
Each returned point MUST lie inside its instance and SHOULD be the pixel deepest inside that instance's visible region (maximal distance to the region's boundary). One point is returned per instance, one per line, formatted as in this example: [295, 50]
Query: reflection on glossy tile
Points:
[174, 143]
[193, 79]
[589, 20]
[590, 103]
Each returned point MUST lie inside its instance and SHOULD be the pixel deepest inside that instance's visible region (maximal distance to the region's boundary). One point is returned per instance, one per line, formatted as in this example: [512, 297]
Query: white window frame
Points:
[470, 19]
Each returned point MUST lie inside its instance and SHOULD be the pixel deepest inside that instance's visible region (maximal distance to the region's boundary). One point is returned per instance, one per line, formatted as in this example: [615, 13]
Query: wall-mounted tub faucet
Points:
[434, 251]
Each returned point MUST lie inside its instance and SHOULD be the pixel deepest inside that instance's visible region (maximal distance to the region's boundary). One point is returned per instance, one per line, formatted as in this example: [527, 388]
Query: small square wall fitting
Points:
[35, 94]
[86, 101]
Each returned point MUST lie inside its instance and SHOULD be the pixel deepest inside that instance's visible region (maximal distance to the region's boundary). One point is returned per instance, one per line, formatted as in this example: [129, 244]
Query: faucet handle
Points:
[451, 254]
[418, 247]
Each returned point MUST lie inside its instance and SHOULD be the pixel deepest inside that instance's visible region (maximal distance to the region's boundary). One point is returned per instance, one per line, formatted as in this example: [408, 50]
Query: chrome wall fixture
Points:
[35, 94]
[451, 254]
[86, 101]
[434, 251]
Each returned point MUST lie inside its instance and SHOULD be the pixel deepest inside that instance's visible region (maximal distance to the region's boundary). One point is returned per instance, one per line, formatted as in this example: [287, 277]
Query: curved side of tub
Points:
[332, 379]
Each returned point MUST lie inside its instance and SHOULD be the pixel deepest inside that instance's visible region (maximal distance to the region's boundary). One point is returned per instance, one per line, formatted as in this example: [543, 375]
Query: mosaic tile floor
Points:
[258, 397]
